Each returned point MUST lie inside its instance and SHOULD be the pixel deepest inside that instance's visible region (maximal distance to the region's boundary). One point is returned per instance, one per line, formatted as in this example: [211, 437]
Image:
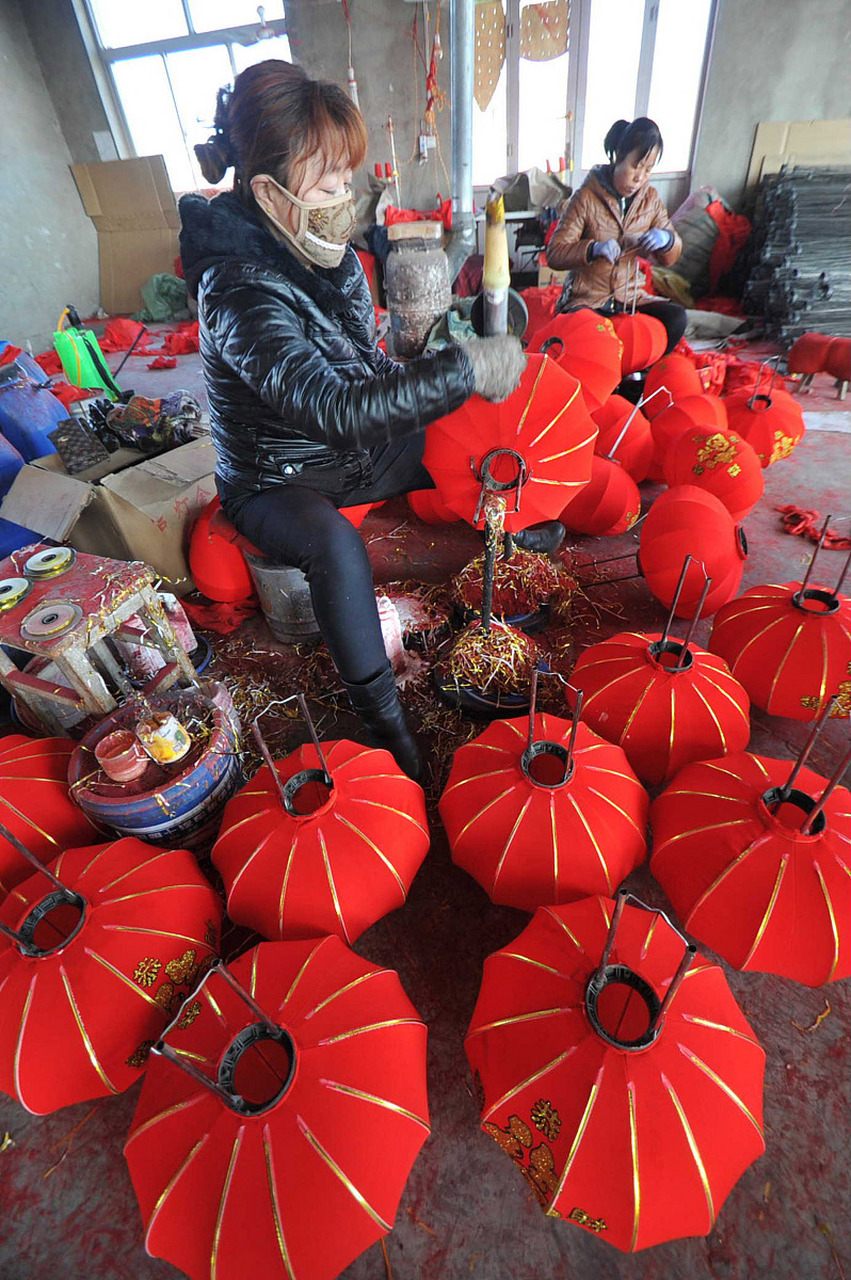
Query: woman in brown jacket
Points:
[613, 218]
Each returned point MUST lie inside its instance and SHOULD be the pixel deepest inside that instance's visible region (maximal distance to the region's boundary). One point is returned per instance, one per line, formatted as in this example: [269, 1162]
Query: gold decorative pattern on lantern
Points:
[546, 1118]
[716, 451]
[140, 1054]
[585, 1220]
[145, 973]
[783, 446]
[189, 1015]
[183, 969]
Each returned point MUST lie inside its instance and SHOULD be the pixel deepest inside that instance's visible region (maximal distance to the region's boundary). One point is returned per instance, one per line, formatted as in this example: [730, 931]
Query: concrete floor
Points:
[68, 1209]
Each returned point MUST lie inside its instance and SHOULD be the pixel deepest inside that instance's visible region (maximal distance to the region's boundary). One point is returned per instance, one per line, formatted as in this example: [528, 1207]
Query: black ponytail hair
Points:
[642, 136]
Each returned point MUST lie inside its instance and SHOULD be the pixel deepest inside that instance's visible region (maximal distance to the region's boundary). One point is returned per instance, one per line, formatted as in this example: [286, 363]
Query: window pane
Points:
[675, 82]
[196, 77]
[145, 95]
[245, 55]
[543, 111]
[121, 22]
[215, 15]
[490, 136]
[614, 47]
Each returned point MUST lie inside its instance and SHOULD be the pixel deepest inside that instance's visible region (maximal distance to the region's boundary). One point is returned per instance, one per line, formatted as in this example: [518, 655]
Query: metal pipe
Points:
[843, 574]
[693, 623]
[827, 793]
[36, 863]
[819, 546]
[675, 601]
[533, 699]
[805, 751]
[676, 982]
[577, 712]
[462, 239]
[620, 903]
[267, 757]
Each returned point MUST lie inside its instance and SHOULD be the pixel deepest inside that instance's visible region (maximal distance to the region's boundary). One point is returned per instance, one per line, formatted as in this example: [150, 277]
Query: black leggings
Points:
[671, 314]
[301, 527]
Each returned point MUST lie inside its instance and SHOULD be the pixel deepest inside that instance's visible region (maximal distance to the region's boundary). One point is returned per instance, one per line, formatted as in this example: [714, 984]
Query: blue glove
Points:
[655, 239]
[609, 249]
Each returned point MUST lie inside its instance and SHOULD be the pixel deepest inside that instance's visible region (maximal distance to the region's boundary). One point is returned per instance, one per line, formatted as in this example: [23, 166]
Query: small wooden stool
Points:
[66, 606]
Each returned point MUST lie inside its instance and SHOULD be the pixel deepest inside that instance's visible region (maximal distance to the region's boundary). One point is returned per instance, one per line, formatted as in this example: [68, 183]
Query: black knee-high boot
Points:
[377, 703]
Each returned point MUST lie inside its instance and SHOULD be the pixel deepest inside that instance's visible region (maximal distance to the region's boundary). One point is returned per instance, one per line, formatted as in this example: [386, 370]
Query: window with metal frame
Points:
[625, 58]
[164, 62]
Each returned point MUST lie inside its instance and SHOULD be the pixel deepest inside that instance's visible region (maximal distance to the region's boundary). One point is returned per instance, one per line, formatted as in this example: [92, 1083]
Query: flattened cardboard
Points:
[133, 208]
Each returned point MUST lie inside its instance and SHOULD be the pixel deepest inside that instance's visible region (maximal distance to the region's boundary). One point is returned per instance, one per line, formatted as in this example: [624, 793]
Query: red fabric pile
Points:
[67, 394]
[807, 524]
[541, 305]
[49, 362]
[220, 617]
[120, 333]
[162, 362]
[9, 353]
[442, 214]
[182, 340]
[733, 232]
[723, 372]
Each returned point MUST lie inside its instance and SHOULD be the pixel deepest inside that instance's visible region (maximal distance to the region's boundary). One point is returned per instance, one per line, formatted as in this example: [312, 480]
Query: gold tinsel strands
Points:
[521, 585]
[499, 661]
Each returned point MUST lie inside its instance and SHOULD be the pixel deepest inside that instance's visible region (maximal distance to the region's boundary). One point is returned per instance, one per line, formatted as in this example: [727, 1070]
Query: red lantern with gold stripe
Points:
[678, 376]
[96, 952]
[687, 521]
[644, 340]
[664, 702]
[608, 505]
[588, 348]
[329, 843]
[536, 820]
[623, 432]
[630, 1100]
[427, 506]
[673, 422]
[719, 462]
[789, 645]
[773, 424]
[757, 868]
[36, 805]
[808, 353]
[280, 1116]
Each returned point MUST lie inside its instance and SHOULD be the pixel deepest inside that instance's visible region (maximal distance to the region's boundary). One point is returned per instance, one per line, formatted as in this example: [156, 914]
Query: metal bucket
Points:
[284, 598]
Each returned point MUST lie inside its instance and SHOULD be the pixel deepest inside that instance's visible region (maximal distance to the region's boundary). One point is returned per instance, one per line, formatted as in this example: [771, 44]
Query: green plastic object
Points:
[82, 359]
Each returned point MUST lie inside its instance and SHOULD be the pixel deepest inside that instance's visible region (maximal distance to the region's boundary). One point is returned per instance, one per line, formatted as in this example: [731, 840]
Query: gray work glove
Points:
[498, 363]
[608, 249]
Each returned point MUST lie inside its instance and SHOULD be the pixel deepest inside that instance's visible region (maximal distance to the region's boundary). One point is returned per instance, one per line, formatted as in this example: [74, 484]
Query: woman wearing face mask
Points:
[614, 217]
[306, 413]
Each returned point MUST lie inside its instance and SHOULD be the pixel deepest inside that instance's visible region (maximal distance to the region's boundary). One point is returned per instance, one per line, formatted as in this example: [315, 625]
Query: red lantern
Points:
[808, 353]
[678, 376]
[36, 805]
[630, 1100]
[427, 506]
[693, 411]
[217, 565]
[838, 359]
[688, 521]
[773, 424]
[720, 462]
[98, 966]
[663, 702]
[789, 646]
[536, 822]
[537, 445]
[329, 845]
[644, 340]
[609, 504]
[623, 428]
[291, 1159]
[587, 347]
[357, 515]
[744, 876]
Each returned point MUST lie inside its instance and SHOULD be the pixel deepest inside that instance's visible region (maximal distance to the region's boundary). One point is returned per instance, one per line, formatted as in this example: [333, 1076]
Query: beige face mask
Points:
[323, 229]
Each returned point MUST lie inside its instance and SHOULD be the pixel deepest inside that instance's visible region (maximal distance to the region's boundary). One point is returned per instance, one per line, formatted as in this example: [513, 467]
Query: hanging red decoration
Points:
[325, 847]
[298, 1162]
[630, 1100]
[719, 462]
[688, 521]
[36, 805]
[609, 504]
[744, 877]
[427, 506]
[534, 822]
[103, 957]
[588, 348]
[537, 445]
[217, 565]
[632, 448]
[789, 645]
[644, 339]
[773, 424]
[663, 702]
[693, 411]
[678, 376]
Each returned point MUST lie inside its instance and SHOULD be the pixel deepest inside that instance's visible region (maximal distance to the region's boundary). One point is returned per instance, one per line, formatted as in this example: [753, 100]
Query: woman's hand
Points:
[498, 364]
[608, 249]
[654, 240]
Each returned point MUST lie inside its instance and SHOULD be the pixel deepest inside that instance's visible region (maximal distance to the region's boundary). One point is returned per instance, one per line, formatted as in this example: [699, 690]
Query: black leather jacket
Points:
[298, 389]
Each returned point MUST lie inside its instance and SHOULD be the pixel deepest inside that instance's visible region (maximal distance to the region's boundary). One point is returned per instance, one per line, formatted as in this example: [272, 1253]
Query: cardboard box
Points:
[133, 208]
[546, 274]
[141, 511]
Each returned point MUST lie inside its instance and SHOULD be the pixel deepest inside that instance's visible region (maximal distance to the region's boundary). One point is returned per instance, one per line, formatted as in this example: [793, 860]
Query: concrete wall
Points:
[48, 246]
[771, 60]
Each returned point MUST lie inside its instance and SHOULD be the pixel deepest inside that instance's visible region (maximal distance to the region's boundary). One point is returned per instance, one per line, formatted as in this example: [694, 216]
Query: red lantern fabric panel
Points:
[635, 451]
[644, 339]
[528, 841]
[78, 1022]
[302, 1188]
[773, 424]
[36, 804]
[217, 566]
[427, 506]
[609, 504]
[720, 462]
[688, 521]
[808, 353]
[544, 421]
[678, 375]
[685, 415]
[662, 718]
[338, 864]
[789, 648]
[742, 876]
[587, 347]
[635, 1147]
